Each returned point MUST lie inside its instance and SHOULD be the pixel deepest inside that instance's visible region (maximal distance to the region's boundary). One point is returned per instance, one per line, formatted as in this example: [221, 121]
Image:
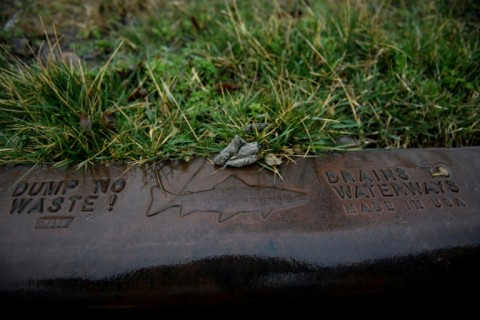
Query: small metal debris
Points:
[238, 153]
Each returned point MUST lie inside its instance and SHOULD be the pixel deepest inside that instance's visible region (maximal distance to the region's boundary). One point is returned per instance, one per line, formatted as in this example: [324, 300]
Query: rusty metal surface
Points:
[177, 233]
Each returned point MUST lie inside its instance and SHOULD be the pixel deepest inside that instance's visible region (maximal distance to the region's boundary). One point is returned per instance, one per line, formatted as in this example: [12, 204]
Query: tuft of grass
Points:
[40, 109]
[182, 78]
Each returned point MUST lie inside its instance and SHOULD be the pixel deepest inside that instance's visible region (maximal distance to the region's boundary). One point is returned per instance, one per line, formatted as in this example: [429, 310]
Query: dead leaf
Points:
[298, 149]
[227, 86]
[195, 23]
[288, 151]
[272, 160]
[85, 124]
[108, 120]
[138, 94]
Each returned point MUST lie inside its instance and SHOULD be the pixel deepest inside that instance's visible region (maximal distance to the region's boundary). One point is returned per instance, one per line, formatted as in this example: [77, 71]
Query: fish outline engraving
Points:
[229, 198]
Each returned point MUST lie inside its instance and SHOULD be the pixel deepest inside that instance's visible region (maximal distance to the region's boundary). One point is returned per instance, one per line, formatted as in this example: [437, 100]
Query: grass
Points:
[182, 78]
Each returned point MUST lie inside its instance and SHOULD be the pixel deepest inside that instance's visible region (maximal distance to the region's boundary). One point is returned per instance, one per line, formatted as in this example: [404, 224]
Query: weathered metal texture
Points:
[176, 233]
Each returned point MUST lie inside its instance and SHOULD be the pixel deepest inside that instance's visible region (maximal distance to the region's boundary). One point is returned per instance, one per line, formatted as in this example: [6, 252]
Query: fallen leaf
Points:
[272, 160]
[298, 149]
[85, 124]
[195, 23]
[288, 151]
[138, 94]
[226, 86]
[108, 120]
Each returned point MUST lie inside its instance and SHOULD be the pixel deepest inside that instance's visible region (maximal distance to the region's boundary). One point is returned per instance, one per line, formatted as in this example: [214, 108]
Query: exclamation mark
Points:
[112, 201]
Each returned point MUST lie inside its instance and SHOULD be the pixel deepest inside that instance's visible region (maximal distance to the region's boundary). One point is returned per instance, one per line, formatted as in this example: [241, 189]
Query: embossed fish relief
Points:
[228, 198]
